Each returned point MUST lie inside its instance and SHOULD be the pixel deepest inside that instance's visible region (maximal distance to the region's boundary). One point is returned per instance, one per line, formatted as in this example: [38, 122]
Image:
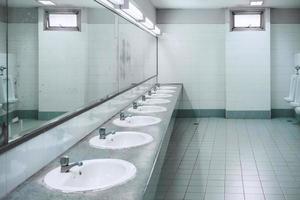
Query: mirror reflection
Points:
[63, 57]
[137, 52]
[3, 64]
[60, 58]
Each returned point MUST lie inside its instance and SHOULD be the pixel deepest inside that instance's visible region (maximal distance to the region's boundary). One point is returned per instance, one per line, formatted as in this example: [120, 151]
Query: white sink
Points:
[159, 96]
[167, 87]
[137, 121]
[147, 109]
[154, 101]
[165, 91]
[121, 140]
[97, 174]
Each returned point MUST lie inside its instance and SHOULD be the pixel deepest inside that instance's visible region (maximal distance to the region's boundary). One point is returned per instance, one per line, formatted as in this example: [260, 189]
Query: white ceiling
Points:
[59, 3]
[193, 4]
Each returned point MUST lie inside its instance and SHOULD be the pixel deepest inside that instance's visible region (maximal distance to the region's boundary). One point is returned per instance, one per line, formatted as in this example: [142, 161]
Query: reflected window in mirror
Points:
[62, 20]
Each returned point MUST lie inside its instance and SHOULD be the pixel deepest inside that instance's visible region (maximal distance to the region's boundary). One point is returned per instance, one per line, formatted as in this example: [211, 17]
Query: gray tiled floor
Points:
[217, 159]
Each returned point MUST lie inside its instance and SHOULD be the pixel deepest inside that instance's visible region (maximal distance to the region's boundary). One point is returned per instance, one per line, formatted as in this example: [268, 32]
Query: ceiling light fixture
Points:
[256, 3]
[148, 23]
[157, 31]
[46, 2]
[133, 11]
[117, 2]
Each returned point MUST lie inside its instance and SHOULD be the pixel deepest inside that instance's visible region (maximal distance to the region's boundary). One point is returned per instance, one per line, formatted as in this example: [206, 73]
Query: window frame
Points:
[47, 12]
[261, 12]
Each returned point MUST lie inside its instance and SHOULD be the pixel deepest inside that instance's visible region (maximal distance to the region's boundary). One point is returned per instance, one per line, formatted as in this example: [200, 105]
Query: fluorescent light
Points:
[133, 11]
[157, 30]
[256, 3]
[106, 3]
[46, 2]
[148, 23]
[117, 2]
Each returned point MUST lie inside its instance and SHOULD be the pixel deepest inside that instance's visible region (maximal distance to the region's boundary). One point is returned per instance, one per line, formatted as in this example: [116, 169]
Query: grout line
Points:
[197, 155]
[185, 131]
[239, 147]
[247, 131]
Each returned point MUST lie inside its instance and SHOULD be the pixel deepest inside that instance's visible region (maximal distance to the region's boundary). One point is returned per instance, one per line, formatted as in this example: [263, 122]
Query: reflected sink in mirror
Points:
[121, 140]
[137, 121]
[167, 87]
[154, 101]
[99, 174]
[147, 109]
[160, 91]
[159, 96]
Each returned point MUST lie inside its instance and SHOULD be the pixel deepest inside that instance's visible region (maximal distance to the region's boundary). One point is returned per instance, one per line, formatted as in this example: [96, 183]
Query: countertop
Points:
[142, 157]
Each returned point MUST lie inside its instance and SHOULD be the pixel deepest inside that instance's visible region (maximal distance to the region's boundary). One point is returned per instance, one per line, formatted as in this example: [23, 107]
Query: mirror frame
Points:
[6, 146]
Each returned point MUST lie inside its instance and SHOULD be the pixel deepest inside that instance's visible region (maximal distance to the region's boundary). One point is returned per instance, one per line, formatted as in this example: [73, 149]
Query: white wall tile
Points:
[194, 54]
[285, 42]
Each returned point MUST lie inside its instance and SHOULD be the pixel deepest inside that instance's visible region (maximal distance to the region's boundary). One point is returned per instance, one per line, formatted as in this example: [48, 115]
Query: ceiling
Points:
[194, 4]
[59, 3]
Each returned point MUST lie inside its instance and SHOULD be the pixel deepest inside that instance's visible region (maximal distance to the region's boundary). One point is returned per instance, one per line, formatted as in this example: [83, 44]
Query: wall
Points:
[192, 52]
[247, 56]
[102, 76]
[23, 56]
[56, 67]
[285, 42]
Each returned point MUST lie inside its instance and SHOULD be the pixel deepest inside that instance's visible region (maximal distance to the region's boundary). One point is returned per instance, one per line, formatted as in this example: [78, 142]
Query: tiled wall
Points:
[56, 67]
[102, 76]
[23, 62]
[285, 42]
[26, 159]
[192, 51]
[137, 52]
[247, 58]
[193, 54]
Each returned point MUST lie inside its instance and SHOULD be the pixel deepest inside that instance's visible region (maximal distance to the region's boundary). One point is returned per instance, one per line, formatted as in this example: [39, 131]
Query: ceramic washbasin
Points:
[99, 174]
[167, 87]
[159, 96]
[147, 109]
[137, 121]
[121, 140]
[160, 91]
[154, 101]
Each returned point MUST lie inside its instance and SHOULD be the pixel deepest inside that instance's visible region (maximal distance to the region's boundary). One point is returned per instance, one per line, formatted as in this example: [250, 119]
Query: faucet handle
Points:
[143, 98]
[149, 92]
[64, 160]
[134, 105]
[102, 131]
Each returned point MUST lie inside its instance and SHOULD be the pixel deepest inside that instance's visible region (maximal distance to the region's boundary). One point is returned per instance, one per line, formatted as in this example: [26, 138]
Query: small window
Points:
[247, 20]
[62, 20]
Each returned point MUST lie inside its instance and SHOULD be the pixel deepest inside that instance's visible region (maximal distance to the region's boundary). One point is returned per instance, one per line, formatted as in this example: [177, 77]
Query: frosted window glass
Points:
[63, 20]
[247, 21]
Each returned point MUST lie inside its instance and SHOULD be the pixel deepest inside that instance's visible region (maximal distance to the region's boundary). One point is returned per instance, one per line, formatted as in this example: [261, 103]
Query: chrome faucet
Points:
[65, 166]
[135, 105]
[123, 116]
[103, 134]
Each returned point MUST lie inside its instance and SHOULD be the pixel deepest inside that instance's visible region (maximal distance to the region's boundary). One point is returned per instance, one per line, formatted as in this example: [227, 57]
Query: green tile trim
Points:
[28, 114]
[282, 113]
[255, 114]
[49, 115]
[198, 113]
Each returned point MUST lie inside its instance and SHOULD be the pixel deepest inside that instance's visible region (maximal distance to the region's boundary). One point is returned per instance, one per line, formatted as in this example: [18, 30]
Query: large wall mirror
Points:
[63, 57]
